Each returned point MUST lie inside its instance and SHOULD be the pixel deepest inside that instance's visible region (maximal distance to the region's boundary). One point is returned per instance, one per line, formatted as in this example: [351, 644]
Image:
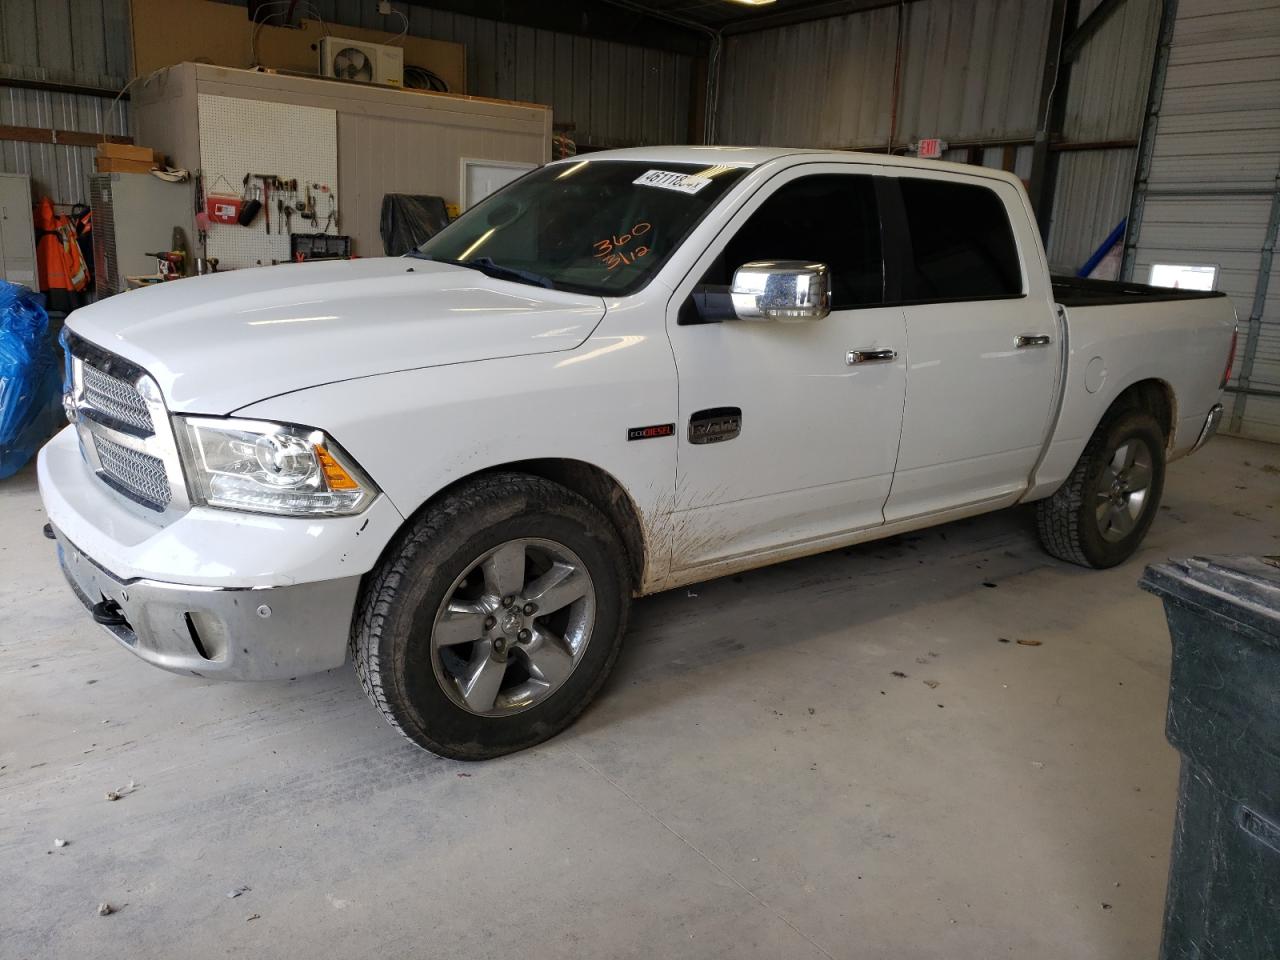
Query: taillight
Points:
[1231, 358]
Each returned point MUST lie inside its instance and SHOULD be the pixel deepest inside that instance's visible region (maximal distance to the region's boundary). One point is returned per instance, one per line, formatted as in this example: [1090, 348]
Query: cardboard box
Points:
[127, 151]
[108, 165]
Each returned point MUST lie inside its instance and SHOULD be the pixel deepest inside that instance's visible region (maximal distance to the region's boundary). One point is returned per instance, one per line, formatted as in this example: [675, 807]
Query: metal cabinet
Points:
[133, 215]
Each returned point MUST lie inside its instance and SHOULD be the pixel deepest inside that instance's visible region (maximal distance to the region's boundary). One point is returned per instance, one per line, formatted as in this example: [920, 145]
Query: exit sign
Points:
[930, 149]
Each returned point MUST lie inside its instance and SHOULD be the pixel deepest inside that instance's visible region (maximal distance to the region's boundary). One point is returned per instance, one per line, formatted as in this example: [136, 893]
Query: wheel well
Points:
[1150, 396]
[592, 484]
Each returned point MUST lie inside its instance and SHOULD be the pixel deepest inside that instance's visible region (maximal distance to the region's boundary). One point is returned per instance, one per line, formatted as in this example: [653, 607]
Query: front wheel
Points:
[1099, 516]
[495, 620]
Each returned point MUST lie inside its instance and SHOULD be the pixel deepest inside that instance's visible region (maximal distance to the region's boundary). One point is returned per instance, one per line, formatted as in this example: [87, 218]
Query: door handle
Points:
[1031, 340]
[870, 356]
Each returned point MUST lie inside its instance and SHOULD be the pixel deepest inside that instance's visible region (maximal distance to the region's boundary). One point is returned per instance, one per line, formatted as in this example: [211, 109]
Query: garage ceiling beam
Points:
[59, 138]
[1082, 34]
[588, 18]
[51, 86]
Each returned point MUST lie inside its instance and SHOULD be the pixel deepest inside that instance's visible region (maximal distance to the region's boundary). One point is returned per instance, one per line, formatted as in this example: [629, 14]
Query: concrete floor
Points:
[755, 782]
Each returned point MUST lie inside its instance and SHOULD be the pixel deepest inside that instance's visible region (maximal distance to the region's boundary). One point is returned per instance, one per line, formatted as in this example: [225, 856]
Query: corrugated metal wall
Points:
[613, 94]
[971, 71]
[1213, 192]
[834, 76]
[70, 41]
[1092, 197]
[1108, 90]
[1106, 98]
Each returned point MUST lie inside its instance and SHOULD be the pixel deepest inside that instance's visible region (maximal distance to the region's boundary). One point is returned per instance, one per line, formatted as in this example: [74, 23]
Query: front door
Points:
[817, 434]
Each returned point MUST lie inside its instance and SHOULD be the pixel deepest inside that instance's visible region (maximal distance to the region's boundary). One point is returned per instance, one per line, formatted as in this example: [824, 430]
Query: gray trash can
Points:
[1223, 900]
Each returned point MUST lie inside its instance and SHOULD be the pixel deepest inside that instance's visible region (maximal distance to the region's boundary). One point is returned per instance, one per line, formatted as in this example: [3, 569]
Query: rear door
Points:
[982, 338]
[815, 435]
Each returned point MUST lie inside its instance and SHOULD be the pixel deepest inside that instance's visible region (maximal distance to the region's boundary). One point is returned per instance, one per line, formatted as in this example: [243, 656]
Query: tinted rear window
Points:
[961, 242]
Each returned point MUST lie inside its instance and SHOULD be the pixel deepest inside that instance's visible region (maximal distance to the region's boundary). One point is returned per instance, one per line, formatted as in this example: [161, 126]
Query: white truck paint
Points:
[427, 373]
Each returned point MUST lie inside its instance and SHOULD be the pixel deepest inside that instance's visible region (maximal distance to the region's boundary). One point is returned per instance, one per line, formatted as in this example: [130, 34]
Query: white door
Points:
[483, 177]
[818, 436]
[984, 365]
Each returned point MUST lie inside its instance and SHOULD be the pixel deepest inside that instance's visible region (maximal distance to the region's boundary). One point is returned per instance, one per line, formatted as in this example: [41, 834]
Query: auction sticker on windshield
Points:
[667, 180]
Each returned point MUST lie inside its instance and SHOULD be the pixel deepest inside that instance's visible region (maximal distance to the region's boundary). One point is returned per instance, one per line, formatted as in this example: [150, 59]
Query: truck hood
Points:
[217, 343]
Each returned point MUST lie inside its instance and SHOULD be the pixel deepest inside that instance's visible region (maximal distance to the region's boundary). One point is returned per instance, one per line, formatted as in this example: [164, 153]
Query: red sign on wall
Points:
[929, 149]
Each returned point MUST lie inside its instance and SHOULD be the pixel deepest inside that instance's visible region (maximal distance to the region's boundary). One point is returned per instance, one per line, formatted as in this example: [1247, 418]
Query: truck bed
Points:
[1081, 292]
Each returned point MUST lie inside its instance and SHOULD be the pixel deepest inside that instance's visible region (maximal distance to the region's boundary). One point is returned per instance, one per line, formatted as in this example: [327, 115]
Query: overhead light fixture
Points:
[753, 3]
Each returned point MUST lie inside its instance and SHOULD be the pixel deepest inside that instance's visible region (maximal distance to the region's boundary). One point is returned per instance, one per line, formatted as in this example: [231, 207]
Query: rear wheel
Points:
[1100, 515]
[495, 620]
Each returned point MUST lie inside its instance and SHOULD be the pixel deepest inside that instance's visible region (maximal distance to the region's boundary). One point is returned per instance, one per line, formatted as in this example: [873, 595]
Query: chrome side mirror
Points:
[785, 290]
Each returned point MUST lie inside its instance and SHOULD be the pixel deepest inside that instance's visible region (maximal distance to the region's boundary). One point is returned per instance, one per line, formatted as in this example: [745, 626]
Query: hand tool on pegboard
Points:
[202, 217]
[251, 206]
[290, 203]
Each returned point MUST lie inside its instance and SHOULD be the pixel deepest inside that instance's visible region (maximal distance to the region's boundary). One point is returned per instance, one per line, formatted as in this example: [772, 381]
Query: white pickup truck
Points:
[620, 374]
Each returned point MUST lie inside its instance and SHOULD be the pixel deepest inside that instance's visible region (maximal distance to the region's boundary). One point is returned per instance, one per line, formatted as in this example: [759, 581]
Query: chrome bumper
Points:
[272, 633]
[1210, 427]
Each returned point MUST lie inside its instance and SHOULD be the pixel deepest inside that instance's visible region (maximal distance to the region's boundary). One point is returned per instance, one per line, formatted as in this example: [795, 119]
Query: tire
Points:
[1071, 522]
[431, 587]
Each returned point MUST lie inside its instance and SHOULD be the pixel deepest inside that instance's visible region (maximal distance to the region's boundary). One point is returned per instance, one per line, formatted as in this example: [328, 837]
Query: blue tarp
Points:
[30, 377]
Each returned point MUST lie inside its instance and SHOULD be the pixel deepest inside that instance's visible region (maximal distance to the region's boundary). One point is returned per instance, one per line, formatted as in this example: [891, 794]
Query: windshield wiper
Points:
[490, 269]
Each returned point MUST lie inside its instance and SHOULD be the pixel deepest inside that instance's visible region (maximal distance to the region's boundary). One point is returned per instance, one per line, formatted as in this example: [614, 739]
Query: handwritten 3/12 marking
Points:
[615, 251]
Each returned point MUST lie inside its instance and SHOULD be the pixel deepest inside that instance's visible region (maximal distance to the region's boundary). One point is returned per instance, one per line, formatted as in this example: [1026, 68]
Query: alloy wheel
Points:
[513, 626]
[1123, 489]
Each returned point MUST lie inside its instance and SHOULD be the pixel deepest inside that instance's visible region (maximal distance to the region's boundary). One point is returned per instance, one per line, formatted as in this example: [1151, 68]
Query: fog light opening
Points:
[195, 637]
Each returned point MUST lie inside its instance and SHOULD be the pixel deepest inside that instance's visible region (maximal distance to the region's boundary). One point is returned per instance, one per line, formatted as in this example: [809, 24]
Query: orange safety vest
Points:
[60, 263]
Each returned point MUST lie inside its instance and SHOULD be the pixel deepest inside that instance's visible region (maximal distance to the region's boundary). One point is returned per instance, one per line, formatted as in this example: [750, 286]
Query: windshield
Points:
[601, 227]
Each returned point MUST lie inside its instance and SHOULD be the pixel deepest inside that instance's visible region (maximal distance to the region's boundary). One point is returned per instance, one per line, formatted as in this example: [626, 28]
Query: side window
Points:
[962, 245]
[829, 218]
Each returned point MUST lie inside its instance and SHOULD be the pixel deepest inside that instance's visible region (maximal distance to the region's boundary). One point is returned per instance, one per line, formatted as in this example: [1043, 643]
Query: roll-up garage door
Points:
[1208, 190]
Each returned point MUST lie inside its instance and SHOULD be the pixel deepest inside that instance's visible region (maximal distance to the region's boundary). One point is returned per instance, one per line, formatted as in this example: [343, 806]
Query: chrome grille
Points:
[139, 474]
[118, 400]
[125, 433]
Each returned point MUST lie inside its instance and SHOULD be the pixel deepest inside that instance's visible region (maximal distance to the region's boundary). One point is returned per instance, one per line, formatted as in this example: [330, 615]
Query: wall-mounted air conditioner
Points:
[361, 61]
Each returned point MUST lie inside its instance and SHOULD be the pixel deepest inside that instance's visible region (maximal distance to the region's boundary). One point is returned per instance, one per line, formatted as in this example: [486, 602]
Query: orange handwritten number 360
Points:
[610, 251]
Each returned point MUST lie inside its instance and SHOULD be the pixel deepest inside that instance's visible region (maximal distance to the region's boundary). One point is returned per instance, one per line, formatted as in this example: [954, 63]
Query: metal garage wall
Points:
[1092, 197]
[1212, 193]
[69, 41]
[835, 77]
[614, 94]
[1106, 97]
[970, 72]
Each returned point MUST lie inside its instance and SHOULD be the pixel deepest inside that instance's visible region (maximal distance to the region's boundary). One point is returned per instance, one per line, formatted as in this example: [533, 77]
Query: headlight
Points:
[271, 468]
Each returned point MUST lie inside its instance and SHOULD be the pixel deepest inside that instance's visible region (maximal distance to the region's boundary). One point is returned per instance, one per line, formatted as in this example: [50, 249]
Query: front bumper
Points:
[267, 633]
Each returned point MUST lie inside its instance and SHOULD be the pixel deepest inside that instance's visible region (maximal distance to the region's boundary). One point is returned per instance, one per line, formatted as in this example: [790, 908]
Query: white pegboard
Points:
[292, 142]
